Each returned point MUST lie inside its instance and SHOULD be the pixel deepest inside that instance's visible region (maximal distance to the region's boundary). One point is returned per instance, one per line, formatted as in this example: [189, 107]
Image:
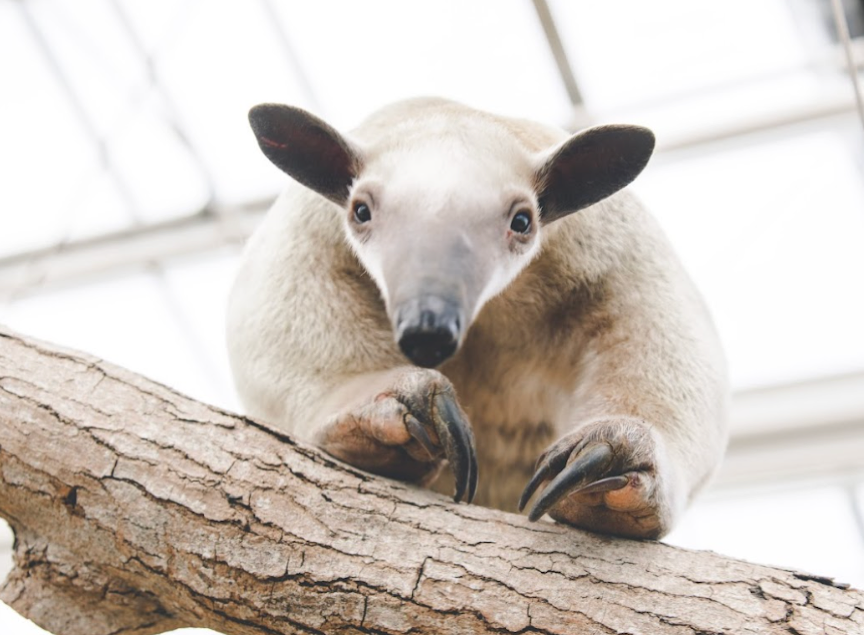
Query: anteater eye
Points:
[521, 223]
[362, 213]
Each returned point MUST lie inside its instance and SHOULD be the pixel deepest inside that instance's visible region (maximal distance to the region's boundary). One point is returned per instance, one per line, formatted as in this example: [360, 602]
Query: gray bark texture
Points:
[138, 510]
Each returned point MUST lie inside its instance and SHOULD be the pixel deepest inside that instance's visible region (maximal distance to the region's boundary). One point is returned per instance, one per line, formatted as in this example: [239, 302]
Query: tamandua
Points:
[440, 265]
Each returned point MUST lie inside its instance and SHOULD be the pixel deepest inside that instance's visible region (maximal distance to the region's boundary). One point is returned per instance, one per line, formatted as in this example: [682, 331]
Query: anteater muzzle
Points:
[429, 329]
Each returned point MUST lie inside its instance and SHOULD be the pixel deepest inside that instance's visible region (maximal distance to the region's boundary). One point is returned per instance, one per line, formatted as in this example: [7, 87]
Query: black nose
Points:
[428, 331]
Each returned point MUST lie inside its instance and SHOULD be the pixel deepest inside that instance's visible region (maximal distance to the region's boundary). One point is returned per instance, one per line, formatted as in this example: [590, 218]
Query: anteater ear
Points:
[306, 148]
[590, 166]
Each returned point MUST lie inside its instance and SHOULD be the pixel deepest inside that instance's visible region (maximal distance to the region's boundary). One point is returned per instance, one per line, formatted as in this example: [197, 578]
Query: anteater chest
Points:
[516, 409]
[516, 369]
[515, 391]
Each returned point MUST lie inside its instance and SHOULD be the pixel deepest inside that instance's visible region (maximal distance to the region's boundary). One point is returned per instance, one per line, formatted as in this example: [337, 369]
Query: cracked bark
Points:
[137, 510]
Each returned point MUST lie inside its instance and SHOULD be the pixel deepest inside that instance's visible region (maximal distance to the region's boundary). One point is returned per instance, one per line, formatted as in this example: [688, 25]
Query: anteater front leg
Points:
[645, 428]
[610, 475]
[407, 431]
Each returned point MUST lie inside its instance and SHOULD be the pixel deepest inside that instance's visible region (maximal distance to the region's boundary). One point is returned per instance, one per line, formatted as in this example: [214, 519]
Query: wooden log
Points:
[138, 510]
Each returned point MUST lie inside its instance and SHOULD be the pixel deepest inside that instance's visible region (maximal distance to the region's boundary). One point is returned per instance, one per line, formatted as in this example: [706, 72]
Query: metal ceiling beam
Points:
[214, 227]
[842, 26]
[559, 53]
[806, 429]
[815, 112]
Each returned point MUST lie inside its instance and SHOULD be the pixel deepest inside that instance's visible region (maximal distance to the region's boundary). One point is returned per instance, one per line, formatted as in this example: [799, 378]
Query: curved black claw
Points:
[590, 463]
[608, 484]
[419, 434]
[540, 475]
[550, 463]
[457, 439]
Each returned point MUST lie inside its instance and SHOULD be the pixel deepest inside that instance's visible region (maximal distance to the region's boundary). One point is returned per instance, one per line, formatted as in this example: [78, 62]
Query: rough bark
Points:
[138, 510]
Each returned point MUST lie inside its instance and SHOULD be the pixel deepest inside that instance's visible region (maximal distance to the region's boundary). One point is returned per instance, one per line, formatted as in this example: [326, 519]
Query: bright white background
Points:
[116, 115]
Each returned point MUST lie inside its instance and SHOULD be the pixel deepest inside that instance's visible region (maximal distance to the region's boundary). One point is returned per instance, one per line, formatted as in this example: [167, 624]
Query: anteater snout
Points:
[429, 330]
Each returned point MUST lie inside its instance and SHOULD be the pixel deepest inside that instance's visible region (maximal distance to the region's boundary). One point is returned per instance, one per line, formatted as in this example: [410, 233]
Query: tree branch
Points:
[137, 510]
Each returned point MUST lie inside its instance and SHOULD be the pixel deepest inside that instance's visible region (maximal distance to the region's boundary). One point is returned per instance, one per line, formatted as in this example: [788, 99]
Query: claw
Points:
[609, 484]
[540, 475]
[552, 462]
[458, 442]
[592, 459]
[418, 432]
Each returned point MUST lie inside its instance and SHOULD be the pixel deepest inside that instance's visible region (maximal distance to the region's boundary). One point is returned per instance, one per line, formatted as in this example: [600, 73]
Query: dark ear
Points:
[590, 166]
[306, 148]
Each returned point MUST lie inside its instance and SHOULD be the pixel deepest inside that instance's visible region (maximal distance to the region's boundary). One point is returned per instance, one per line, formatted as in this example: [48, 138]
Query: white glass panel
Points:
[490, 54]
[44, 154]
[772, 233]
[199, 288]
[811, 529]
[58, 144]
[14, 624]
[631, 51]
[215, 61]
[99, 60]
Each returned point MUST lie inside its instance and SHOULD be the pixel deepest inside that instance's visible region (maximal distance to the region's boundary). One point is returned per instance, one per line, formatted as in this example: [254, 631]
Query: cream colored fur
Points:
[596, 320]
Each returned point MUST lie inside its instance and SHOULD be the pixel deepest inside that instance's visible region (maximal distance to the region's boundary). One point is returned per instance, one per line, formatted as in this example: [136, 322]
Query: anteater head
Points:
[445, 211]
